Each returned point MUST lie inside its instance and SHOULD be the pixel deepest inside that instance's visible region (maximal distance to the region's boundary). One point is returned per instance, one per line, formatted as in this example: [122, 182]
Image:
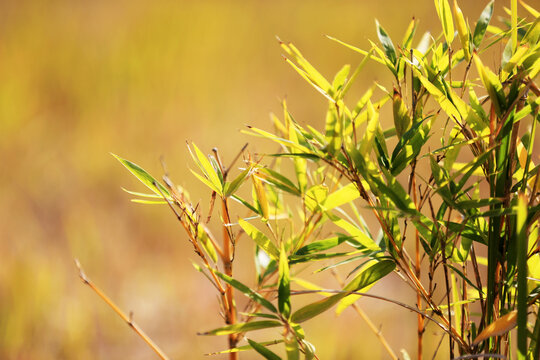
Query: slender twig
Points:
[117, 310]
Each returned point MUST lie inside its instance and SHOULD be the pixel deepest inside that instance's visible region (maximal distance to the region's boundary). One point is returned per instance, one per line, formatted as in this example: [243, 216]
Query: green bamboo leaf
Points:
[246, 204]
[245, 347]
[206, 167]
[261, 349]
[530, 9]
[144, 177]
[296, 259]
[344, 195]
[366, 143]
[231, 187]
[260, 239]
[351, 299]
[341, 78]
[284, 288]
[144, 195]
[354, 231]
[278, 180]
[312, 74]
[445, 15]
[207, 245]
[315, 197]
[493, 86]
[482, 24]
[409, 34]
[369, 276]
[260, 196]
[207, 182]
[300, 164]
[322, 245]
[243, 327]
[463, 31]
[386, 43]
[148, 202]
[253, 295]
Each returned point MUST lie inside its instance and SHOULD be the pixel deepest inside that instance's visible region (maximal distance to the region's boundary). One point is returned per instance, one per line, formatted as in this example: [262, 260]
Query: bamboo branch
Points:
[116, 309]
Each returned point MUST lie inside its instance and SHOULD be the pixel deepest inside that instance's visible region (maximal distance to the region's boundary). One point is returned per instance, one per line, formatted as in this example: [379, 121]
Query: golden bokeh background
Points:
[81, 79]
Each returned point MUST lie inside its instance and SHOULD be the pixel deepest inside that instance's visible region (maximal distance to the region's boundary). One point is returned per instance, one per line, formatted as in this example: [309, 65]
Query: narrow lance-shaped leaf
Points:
[402, 120]
[387, 44]
[367, 277]
[300, 164]
[445, 15]
[261, 349]
[260, 196]
[463, 31]
[246, 290]
[144, 177]
[409, 34]
[231, 187]
[260, 239]
[482, 24]
[493, 86]
[284, 290]
[373, 124]
[503, 325]
[206, 167]
[243, 327]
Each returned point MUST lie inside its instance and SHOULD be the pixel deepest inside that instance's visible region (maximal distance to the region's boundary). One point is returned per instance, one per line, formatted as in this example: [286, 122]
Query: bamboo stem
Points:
[117, 310]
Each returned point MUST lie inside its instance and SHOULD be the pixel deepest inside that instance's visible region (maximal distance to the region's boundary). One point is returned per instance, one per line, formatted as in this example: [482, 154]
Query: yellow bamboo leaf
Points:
[497, 328]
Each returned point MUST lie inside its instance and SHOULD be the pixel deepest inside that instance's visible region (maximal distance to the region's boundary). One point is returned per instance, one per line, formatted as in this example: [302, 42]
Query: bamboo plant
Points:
[451, 179]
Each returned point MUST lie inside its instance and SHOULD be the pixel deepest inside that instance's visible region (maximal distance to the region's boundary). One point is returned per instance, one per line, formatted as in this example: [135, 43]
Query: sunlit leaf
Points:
[501, 326]
[261, 349]
[246, 291]
[243, 327]
[370, 275]
[482, 24]
[144, 177]
[260, 239]
[284, 291]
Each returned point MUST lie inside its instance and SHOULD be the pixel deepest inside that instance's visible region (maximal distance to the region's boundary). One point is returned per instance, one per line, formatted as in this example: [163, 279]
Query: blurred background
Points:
[81, 79]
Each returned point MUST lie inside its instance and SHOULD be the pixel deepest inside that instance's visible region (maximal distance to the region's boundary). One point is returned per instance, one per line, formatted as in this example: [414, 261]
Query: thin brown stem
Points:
[119, 312]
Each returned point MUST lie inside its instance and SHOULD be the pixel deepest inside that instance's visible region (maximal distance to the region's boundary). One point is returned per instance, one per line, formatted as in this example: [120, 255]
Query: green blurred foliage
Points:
[80, 79]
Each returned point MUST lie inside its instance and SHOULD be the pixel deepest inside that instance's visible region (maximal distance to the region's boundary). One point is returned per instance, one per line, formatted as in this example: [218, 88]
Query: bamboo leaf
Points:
[493, 86]
[501, 326]
[243, 327]
[369, 276]
[206, 167]
[342, 196]
[445, 15]
[245, 347]
[322, 245]
[231, 187]
[387, 44]
[284, 288]
[482, 24]
[144, 177]
[255, 296]
[260, 239]
[463, 31]
[409, 34]
[261, 349]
